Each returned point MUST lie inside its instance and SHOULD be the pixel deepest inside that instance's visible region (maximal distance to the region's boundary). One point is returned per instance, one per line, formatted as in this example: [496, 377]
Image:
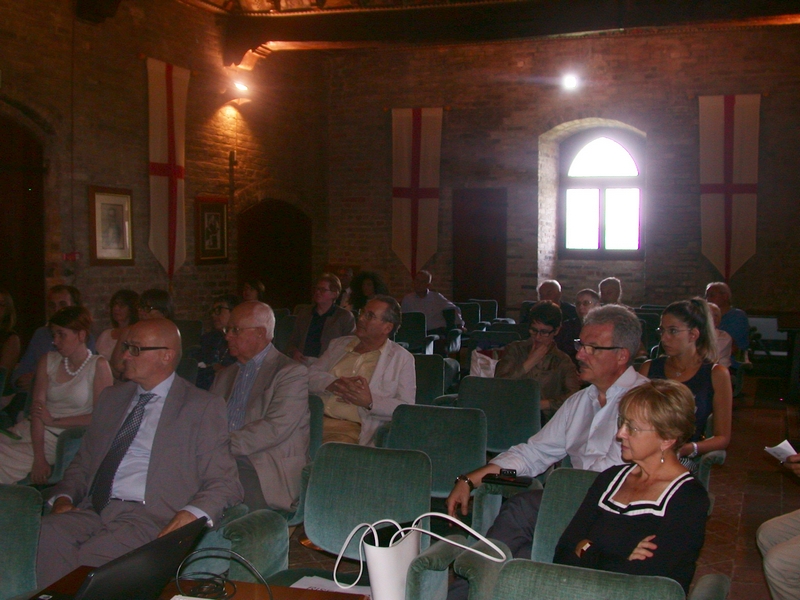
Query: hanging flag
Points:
[416, 148]
[168, 86]
[729, 179]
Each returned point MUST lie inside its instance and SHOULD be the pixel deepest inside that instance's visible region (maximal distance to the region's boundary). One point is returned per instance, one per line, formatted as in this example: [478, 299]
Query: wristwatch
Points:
[584, 548]
[694, 450]
[466, 480]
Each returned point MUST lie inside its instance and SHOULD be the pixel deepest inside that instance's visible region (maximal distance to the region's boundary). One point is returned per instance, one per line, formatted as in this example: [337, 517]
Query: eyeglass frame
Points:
[539, 332]
[128, 347]
[670, 331]
[579, 344]
[623, 422]
[235, 331]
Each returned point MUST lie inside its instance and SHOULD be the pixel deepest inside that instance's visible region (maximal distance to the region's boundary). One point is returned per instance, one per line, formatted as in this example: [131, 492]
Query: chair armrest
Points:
[711, 587]
[446, 400]
[428, 573]
[382, 435]
[481, 573]
[262, 537]
[487, 499]
[297, 517]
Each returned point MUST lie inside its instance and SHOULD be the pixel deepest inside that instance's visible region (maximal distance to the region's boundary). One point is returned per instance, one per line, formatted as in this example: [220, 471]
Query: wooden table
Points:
[70, 584]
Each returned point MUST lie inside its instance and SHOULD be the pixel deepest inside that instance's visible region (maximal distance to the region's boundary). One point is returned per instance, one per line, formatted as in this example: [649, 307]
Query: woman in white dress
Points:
[65, 389]
[123, 310]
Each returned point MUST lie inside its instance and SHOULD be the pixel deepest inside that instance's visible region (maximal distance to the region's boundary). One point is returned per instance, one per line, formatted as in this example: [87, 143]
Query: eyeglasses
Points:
[136, 350]
[541, 332]
[623, 423]
[670, 331]
[368, 315]
[322, 290]
[589, 349]
[217, 310]
[238, 330]
[585, 303]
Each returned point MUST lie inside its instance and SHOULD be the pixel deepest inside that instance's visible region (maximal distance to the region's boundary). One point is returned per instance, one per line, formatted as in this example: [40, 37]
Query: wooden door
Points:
[22, 225]
[275, 247]
[479, 245]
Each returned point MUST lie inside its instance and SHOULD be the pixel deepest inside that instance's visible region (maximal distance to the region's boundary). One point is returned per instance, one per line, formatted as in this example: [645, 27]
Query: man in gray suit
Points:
[155, 458]
[268, 416]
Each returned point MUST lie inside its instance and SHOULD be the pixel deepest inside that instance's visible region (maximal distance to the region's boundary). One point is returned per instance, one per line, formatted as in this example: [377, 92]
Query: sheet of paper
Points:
[328, 585]
[782, 451]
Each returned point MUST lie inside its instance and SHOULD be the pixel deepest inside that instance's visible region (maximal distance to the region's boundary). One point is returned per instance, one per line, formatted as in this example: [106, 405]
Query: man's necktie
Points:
[101, 488]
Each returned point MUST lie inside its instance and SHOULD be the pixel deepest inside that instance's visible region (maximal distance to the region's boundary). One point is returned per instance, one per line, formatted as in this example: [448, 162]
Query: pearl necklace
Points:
[75, 373]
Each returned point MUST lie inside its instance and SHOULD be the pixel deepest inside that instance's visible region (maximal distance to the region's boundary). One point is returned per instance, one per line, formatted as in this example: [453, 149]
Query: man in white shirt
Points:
[584, 428]
[431, 303]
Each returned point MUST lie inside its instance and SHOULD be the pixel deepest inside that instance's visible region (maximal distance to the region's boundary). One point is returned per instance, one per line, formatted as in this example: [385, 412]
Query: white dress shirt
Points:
[581, 428]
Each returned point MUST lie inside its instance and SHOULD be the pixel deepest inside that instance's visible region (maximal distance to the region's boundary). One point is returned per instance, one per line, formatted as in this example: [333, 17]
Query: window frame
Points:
[634, 144]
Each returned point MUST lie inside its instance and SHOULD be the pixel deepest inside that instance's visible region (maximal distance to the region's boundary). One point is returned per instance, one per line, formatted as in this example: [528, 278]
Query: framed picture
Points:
[111, 226]
[211, 230]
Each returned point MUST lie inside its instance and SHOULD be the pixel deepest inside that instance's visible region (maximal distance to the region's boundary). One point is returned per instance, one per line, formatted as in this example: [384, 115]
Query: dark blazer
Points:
[190, 462]
[276, 432]
[339, 324]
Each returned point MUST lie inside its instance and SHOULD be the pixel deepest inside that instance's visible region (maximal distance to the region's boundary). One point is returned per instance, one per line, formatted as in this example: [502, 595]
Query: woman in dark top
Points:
[647, 517]
[689, 343]
[366, 285]
[9, 340]
[213, 356]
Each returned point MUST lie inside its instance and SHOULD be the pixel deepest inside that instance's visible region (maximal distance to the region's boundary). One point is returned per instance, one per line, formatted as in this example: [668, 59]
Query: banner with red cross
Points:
[168, 87]
[729, 179]
[416, 148]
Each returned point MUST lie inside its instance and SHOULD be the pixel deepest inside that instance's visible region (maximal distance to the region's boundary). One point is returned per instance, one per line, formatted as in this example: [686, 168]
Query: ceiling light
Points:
[569, 82]
[240, 86]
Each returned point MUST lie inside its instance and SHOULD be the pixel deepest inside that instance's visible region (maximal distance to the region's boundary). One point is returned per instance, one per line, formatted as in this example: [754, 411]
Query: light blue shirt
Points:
[237, 404]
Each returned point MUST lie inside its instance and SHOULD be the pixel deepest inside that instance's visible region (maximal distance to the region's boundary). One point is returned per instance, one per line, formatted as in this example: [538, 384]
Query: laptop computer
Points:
[141, 574]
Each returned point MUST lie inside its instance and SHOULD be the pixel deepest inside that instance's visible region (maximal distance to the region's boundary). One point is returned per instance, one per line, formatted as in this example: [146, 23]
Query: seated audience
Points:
[213, 354]
[779, 542]
[268, 416]
[363, 378]
[647, 517]
[584, 428]
[317, 325]
[550, 289]
[585, 301]
[58, 297]
[734, 320]
[153, 304]
[724, 340]
[65, 391]
[9, 340]
[366, 285]
[253, 289]
[431, 303]
[169, 462]
[688, 341]
[538, 358]
[610, 291]
[124, 311]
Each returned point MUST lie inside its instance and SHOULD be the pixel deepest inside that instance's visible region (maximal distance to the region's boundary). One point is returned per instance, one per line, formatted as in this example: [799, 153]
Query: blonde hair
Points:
[666, 405]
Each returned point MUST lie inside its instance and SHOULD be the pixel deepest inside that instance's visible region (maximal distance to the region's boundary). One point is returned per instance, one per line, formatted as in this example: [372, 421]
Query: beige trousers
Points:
[779, 542]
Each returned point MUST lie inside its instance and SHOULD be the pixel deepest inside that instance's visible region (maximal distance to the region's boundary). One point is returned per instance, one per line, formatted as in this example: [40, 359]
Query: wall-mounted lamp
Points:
[570, 82]
[240, 86]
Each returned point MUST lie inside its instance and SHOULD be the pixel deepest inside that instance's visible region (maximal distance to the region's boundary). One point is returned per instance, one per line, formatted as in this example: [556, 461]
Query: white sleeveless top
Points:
[74, 397]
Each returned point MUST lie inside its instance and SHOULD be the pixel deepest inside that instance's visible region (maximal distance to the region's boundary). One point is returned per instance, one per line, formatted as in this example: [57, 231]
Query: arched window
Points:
[600, 195]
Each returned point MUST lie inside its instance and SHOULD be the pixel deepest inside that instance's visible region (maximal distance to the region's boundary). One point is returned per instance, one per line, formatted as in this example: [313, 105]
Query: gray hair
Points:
[627, 330]
[392, 314]
[264, 316]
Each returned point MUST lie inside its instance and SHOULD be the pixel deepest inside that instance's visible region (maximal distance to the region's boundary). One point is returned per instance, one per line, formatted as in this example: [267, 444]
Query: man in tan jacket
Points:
[267, 403]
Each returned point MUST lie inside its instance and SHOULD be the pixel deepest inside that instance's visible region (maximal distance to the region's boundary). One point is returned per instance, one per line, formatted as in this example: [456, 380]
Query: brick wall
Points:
[502, 99]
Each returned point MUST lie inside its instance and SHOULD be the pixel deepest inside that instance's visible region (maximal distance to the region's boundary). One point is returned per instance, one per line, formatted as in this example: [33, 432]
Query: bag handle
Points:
[370, 529]
[402, 531]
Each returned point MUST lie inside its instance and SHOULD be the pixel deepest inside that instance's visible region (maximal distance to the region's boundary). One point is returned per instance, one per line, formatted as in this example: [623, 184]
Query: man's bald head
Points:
[152, 366]
[250, 328]
[422, 283]
[550, 290]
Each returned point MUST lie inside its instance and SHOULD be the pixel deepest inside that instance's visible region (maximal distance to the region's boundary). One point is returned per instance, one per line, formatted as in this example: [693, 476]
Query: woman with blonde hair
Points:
[690, 353]
[646, 517]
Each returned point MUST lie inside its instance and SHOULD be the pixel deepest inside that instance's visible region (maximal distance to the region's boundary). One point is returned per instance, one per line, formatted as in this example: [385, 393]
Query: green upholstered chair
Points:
[453, 438]
[281, 312]
[20, 521]
[471, 313]
[452, 343]
[708, 460]
[317, 410]
[430, 377]
[413, 333]
[188, 368]
[299, 307]
[524, 312]
[511, 407]
[284, 325]
[492, 339]
[191, 330]
[525, 579]
[488, 309]
[351, 484]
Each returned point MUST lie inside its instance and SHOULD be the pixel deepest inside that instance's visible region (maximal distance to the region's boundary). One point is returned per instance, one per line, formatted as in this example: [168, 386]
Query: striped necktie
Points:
[104, 480]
